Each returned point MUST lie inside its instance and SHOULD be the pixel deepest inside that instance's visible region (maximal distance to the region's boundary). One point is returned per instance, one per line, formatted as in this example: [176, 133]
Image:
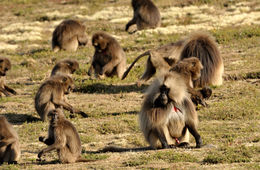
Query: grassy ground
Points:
[231, 123]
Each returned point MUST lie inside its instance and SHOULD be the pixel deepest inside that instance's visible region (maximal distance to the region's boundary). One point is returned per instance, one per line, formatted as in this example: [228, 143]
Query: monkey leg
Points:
[120, 69]
[71, 44]
[153, 140]
[149, 72]
[65, 155]
[184, 139]
[194, 132]
[12, 154]
[9, 89]
[4, 91]
[130, 23]
[160, 133]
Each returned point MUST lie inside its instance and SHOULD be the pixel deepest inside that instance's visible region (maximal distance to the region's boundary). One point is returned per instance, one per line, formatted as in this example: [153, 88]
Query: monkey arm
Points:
[9, 89]
[48, 141]
[110, 65]
[56, 99]
[5, 142]
[131, 22]
[4, 91]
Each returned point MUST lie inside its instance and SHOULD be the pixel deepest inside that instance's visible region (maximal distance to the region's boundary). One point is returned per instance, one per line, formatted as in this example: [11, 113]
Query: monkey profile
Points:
[5, 65]
[200, 45]
[168, 115]
[67, 66]
[9, 143]
[146, 15]
[68, 35]
[63, 137]
[109, 58]
[51, 95]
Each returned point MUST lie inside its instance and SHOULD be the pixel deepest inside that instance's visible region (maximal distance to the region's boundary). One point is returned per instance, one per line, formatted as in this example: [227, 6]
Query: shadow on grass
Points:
[109, 89]
[120, 113]
[17, 119]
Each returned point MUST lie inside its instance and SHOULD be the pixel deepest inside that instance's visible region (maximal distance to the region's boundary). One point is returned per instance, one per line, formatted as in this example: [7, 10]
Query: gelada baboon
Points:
[63, 137]
[9, 143]
[67, 66]
[200, 45]
[168, 115]
[146, 15]
[109, 58]
[190, 70]
[5, 65]
[51, 95]
[68, 35]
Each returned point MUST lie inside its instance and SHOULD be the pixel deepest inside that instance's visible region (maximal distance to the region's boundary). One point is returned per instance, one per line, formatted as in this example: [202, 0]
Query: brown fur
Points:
[62, 136]
[9, 142]
[162, 124]
[68, 35]
[67, 66]
[51, 95]
[200, 45]
[5, 65]
[109, 58]
[190, 69]
[146, 15]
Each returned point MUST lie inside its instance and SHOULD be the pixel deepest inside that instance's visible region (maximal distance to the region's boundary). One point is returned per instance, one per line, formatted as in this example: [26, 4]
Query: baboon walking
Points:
[200, 45]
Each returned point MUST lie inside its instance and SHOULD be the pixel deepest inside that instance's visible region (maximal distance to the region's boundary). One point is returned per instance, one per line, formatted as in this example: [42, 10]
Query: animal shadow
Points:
[109, 89]
[18, 119]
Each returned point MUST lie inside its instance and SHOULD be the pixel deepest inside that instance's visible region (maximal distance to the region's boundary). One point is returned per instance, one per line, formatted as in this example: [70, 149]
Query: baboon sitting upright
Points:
[109, 58]
[51, 95]
[68, 35]
[168, 115]
[5, 65]
[63, 137]
[9, 143]
[146, 15]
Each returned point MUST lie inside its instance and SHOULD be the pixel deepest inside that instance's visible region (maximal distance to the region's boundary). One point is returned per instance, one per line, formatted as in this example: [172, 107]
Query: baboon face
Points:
[55, 116]
[73, 66]
[163, 99]
[99, 42]
[5, 65]
[68, 84]
[195, 68]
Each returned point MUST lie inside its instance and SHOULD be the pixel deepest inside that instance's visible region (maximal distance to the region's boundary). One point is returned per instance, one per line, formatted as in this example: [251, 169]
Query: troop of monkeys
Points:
[168, 111]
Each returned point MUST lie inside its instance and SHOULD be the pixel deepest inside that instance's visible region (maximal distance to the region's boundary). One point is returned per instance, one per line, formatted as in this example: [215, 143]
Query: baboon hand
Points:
[41, 138]
[40, 155]
[83, 114]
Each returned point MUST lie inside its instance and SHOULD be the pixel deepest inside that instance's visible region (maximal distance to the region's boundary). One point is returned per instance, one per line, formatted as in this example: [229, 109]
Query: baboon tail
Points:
[203, 46]
[130, 67]
[118, 149]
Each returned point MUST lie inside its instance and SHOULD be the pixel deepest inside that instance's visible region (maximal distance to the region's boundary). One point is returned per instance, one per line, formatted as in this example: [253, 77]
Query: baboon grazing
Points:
[67, 66]
[62, 136]
[190, 70]
[51, 95]
[109, 58]
[5, 65]
[9, 143]
[68, 35]
[200, 45]
[168, 115]
[146, 15]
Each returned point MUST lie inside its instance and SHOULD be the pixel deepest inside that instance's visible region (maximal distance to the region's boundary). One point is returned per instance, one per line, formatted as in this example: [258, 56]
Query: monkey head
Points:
[99, 42]
[163, 99]
[73, 65]
[55, 115]
[5, 65]
[67, 84]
